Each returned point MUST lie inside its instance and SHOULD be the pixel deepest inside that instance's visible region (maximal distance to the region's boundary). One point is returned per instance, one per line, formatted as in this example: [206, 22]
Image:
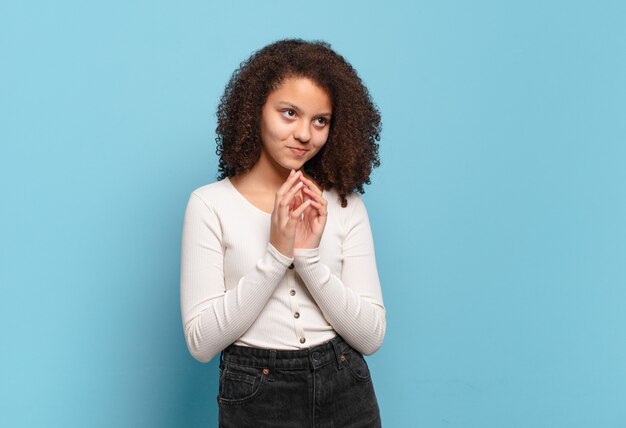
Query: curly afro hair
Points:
[346, 161]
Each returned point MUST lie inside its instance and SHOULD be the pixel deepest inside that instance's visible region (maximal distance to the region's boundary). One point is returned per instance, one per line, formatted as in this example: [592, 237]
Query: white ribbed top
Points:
[235, 287]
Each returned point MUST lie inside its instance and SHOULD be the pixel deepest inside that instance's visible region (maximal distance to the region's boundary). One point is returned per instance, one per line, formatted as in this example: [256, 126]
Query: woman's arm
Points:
[213, 318]
[352, 304]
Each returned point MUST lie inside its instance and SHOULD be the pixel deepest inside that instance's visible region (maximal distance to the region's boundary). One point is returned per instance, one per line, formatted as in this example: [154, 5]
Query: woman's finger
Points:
[318, 203]
[293, 204]
[315, 196]
[298, 211]
[288, 184]
[311, 185]
[290, 195]
[321, 209]
[311, 212]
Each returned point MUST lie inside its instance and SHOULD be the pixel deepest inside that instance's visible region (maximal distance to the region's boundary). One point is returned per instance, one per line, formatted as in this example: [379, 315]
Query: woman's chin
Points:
[292, 164]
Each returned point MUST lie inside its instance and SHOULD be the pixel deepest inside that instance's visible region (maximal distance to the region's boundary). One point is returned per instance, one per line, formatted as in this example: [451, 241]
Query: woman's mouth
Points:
[298, 152]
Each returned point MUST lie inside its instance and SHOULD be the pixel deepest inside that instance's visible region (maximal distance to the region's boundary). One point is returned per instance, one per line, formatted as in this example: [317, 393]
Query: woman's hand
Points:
[286, 214]
[310, 227]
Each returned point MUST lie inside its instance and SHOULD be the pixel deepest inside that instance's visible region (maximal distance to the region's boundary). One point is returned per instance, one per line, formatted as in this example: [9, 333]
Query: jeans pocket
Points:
[240, 384]
[356, 365]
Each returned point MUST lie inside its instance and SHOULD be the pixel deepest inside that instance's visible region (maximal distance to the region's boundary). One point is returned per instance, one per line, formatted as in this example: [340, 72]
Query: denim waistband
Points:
[309, 358]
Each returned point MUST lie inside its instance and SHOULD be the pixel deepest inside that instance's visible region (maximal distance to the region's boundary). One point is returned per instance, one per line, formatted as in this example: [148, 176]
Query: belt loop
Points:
[272, 365]
[333, 342]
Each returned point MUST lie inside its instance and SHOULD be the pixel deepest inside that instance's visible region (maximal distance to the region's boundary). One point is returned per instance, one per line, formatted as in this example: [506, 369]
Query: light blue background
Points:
[499, 211]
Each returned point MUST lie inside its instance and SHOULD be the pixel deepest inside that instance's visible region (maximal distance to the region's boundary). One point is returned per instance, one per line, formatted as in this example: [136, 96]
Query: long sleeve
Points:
[352, 304]
[214, 317]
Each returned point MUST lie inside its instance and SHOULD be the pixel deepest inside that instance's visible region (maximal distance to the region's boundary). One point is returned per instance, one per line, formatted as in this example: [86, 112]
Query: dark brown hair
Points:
[351, 150]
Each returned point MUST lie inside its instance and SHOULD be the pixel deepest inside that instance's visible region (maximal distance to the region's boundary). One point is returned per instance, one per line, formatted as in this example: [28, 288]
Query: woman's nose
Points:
[302, 132]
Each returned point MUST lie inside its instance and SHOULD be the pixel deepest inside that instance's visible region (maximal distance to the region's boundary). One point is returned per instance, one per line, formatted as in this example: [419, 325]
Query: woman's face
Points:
[295, 121]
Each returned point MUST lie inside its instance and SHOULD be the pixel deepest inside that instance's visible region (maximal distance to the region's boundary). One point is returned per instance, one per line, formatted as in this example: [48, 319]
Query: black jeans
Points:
[325, 386]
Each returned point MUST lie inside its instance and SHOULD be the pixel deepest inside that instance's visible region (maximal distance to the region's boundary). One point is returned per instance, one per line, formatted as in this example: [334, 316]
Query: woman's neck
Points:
[264, 177]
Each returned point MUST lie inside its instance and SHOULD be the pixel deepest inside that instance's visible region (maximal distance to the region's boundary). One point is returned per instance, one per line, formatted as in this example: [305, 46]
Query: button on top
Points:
[302, 340]
[292, 292]
[296, 315]
[315, 355]
[291, 266]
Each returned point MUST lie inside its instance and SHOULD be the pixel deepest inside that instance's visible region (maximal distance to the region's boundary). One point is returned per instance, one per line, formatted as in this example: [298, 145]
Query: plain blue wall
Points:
[499, 210]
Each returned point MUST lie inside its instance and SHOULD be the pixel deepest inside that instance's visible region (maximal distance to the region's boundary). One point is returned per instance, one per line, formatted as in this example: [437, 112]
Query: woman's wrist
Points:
[305, 255]
[304, 250]
[284, 250]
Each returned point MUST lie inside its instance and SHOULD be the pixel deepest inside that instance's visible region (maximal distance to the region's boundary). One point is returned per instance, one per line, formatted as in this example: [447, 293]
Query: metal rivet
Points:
[342, 357]
[266, 371]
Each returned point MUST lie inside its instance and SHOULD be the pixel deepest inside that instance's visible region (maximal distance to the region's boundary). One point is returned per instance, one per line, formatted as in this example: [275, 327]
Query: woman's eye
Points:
[321, 121]
[290, 113]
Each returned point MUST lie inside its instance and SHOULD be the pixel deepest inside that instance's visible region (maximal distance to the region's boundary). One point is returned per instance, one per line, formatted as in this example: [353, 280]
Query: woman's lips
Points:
[298, 152]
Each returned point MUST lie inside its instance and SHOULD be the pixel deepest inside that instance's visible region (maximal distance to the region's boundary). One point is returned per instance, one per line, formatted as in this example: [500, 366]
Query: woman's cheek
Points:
[321, 140]
[282, 131]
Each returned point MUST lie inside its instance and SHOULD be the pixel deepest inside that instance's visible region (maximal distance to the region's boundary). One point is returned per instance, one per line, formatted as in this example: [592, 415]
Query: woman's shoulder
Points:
[348, 217]
[212, 194]
[353, 211]
[352, 198]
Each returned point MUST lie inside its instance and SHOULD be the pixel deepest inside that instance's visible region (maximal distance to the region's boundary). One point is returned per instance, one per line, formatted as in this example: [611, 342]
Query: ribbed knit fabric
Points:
[237, 288]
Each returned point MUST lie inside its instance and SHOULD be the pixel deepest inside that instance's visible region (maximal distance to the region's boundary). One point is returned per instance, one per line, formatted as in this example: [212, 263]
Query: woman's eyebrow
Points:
[296, 108]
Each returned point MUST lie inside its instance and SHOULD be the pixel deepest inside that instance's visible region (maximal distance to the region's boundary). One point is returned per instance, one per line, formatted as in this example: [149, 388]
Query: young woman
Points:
[278, 269]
